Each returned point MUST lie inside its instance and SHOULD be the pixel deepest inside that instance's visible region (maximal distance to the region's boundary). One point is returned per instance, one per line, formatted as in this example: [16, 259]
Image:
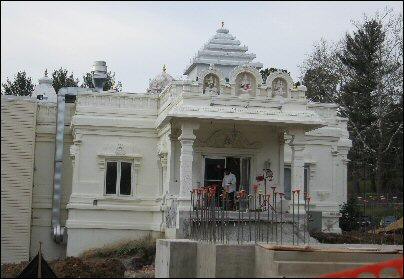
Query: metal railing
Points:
[219, 216]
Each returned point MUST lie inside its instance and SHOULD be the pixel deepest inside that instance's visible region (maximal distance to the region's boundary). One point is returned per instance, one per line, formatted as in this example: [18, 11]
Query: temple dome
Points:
[157, 84]
[45, 89]
[223, 49]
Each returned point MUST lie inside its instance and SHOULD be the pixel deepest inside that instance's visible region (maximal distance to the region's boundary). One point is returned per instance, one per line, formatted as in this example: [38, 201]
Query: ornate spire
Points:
[224, 50]
[45, 89]
[157, 84]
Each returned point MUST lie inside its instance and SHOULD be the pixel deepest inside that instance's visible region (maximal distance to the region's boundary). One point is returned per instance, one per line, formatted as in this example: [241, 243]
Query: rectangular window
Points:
[125, 178]
[306, 178]
[287, 181]
[118, 178]
[111, 178]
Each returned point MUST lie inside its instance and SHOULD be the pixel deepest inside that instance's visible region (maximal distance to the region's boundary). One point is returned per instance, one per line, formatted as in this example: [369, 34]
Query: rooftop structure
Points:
[224, 51]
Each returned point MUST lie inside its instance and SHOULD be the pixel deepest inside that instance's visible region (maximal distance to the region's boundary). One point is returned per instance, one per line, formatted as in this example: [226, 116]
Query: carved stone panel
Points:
[246, 84]
[279, 86]
[211, 84]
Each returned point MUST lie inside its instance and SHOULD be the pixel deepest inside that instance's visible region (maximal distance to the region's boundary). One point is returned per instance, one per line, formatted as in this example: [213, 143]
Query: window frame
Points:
[306, 175]
[306, 178]
[118, 178]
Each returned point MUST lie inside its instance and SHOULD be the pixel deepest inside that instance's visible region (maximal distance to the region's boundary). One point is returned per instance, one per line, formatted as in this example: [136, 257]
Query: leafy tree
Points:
[370, 96]
[20, 86]
[350, 218]
[321, 72]
[109, 84]
[267, 71]
[363, 73]
[61, 78]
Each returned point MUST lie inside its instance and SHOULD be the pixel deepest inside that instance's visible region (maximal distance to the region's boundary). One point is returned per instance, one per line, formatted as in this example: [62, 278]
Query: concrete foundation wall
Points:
[185, 258]
[176, 258]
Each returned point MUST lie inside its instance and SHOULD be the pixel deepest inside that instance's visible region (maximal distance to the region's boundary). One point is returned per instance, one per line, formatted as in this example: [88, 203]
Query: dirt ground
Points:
[74, 267]
[132, 259]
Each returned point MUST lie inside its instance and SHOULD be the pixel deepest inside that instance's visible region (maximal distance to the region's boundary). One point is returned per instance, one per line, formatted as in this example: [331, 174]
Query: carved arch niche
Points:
[247, 80]
[212, 80]
[280, 84]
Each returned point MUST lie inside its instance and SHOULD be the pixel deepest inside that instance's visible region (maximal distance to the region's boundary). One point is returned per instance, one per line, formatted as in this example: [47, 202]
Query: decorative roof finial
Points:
[164, 68]
[46, 72]
[222, 24]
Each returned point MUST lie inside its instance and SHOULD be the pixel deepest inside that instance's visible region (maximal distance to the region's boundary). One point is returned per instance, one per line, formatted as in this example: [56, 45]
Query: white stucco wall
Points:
[100, 129]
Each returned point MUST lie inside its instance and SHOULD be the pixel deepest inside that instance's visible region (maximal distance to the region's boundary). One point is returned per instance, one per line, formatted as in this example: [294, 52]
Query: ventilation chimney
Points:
[99, 73]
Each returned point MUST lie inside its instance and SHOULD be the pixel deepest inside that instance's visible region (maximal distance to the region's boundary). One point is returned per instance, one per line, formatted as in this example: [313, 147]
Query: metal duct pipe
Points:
[99, 78]
[66, 94]
[99, 73]
[57, 230]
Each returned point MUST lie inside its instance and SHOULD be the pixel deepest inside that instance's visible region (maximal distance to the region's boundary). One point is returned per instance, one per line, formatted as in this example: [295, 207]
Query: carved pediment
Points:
[226, 138]
[117, 149]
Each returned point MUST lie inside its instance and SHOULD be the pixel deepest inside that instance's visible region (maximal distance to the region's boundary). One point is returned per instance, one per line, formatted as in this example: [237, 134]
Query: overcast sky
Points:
[136, 39]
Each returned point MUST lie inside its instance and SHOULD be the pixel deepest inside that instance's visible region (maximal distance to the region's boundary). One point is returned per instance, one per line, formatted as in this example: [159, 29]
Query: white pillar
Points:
[335, 170]
[172, 164]
[164, 176]
[187, 139]
[343, 152]
[297, 145]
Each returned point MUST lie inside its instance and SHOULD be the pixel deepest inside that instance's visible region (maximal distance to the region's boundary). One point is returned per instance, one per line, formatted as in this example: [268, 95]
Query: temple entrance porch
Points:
[199, 150]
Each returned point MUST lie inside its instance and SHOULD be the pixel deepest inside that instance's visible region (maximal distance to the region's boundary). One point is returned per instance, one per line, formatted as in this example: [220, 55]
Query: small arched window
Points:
[211, 84]
[279, 87]
[246, 84]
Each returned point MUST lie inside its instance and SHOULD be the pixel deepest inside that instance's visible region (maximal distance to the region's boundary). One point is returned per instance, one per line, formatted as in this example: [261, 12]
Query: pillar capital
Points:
[163, 159]
[297, 147]
[298, 136]
[187, 131]
[281, 137]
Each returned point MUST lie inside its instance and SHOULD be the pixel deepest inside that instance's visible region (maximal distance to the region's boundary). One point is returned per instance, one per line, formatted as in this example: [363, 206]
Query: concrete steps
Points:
[331, 257]
[308, 269]
[310, 264]
[313, 269]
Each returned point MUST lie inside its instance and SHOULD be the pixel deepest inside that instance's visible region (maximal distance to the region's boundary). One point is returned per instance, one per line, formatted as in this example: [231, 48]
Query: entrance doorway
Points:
[239, 166]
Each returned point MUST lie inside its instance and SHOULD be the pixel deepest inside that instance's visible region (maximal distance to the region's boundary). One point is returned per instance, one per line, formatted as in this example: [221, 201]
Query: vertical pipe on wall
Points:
[57, 229]
[99, 78]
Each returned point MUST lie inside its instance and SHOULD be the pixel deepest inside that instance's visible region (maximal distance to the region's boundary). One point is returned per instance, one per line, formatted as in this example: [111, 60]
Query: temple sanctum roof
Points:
[45, 89]
[158, 83]
[223, 49]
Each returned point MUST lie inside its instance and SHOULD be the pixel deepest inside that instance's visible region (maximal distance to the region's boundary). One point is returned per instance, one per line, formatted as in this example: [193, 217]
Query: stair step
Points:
[319, 256]
[309, 269]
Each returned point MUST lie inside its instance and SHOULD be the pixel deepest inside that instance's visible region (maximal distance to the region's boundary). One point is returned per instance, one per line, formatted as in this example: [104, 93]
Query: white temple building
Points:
[86, 168]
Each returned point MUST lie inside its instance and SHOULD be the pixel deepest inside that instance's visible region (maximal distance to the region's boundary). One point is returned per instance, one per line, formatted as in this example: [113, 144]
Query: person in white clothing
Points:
[229, 184]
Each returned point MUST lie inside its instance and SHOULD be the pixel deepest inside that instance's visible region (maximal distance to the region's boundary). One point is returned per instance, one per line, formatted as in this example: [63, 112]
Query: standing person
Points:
[229, 184]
